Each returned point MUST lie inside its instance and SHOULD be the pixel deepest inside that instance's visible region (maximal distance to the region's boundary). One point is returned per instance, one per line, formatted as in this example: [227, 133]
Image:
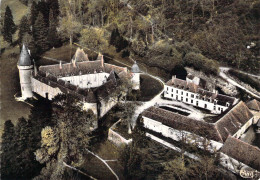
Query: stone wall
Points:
[44, 90]
[178, 135]
[115, 137]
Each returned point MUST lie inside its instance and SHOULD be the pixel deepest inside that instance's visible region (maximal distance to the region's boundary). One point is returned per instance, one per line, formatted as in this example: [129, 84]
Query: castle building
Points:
[25, 67]
[96, 83]
[191, 93]
[136, 76]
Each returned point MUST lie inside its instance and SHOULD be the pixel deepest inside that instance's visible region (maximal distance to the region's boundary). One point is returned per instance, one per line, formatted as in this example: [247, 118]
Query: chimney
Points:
[60, 65]
[74, 63]
[173, 77]
[102, 61]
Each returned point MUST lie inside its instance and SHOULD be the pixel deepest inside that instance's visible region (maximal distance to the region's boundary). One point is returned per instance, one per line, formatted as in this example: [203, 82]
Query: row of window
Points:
[197, 96]
[182, 93]
[197, 102]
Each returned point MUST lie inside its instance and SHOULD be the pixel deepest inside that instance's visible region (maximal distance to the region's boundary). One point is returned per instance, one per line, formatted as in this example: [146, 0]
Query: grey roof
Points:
[135, 68]
[242, 151]
[25, 59]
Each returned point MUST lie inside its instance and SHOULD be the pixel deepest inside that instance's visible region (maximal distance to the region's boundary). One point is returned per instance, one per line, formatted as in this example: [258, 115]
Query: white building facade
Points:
[197, 97]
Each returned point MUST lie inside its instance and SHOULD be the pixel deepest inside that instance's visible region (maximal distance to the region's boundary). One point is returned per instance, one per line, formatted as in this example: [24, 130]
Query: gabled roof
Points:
[25, 59]
[254, 105]
[80, 56]
[181, 122]
[227, 125]
[232, 121]
[243, 152]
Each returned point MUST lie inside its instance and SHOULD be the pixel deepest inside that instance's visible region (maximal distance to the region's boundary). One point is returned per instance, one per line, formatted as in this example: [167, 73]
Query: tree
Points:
[117, 40]
[54, 5]
[53, 39]
[40, 33]
[9, 27]
[33, 13]
[24, 28]
[94, 38]
[67, 140]
[7, 154]
[25, 2]
[22, 156]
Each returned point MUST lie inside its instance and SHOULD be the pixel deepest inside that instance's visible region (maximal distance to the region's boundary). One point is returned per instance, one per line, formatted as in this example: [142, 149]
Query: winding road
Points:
[223, 74]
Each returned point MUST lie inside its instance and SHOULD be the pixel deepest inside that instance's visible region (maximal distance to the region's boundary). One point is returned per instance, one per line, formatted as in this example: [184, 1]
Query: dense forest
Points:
[160, 33]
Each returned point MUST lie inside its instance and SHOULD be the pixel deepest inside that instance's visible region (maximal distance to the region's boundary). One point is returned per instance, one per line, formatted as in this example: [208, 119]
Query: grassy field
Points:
[149, 87]
[18, 9]
[107, 151]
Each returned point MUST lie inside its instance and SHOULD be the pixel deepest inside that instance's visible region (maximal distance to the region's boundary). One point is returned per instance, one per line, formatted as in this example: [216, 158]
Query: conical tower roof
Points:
[25, 59]
[135, 68]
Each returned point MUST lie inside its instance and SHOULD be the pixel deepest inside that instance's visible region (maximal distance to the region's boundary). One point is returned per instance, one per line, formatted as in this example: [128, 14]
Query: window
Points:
[177, 97]
[219, 108]
[181, 98]
[187, 94]
[177, 91]
[197, 103]
[172, 95]
[197, 97]
[181, 92]
[192, 95]
[214, 107]
[191, 101]
[186, 99]
[172, 90]
[205, 106]
[167, 88]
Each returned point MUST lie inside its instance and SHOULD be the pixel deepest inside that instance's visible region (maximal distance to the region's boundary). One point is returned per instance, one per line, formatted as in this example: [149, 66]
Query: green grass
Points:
[149, 87]
[18, 9]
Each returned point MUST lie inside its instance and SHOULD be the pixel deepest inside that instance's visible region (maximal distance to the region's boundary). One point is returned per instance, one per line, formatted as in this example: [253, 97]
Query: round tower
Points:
[136, 76]
[25, 67]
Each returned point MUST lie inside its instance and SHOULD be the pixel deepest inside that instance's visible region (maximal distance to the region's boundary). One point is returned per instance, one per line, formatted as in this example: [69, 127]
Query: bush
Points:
[200, 62]
[246, 79]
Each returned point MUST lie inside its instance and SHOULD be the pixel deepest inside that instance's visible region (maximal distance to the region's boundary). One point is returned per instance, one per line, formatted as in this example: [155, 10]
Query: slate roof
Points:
[254, 105]
[243, 152]
[24, 59]
[181, 122]
[191, 87]
[231, 122]
[227, 125]
[135, 68]
[86, 67]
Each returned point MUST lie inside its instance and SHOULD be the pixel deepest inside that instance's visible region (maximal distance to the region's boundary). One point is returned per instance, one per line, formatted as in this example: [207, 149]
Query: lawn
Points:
[149, 87]
[107, 151]
[18, 9]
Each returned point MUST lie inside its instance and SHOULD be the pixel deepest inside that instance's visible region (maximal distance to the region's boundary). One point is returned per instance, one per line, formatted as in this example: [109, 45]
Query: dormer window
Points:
[227, 104]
